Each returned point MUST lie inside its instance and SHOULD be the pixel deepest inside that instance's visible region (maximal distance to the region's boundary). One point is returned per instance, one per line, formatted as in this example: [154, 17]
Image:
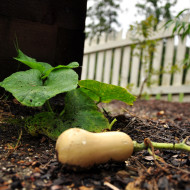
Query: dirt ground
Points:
[33, 164]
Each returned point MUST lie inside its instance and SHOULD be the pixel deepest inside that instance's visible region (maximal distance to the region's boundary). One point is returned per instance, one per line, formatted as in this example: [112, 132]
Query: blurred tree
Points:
[160, 9]
[102, 17]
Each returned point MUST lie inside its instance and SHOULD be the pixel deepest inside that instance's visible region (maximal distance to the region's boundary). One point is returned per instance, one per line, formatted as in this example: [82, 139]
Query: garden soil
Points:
[28, 162]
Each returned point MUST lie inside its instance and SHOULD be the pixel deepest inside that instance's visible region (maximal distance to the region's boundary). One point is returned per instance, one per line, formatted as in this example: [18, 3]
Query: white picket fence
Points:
[114, 62]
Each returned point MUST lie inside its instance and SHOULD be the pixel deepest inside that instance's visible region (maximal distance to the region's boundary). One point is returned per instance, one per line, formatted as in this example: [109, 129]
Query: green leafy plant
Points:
[144, 49]
[34, 88]
[181, 28]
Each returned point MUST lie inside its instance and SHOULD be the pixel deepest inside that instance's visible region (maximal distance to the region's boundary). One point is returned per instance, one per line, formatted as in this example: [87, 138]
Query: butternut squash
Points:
[78, 147]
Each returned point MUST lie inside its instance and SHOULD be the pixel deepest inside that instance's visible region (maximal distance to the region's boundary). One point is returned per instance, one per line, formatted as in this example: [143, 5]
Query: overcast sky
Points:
[128, 17]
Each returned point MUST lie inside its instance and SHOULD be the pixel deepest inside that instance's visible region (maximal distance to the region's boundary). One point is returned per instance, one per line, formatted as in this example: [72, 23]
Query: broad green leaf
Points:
[32, 63]
[91, 94]
[28, 88]
[69, 66]
[82, 112]
[46, 66]
[107, 92]
[45, 123]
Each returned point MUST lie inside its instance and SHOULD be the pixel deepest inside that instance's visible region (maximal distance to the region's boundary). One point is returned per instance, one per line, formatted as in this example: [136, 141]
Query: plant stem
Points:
[62, 112]
[171, 146]
[16, 146]
[112, 123]
[49, 106]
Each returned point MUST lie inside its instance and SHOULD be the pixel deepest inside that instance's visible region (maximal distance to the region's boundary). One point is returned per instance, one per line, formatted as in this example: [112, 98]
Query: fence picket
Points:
[107, 68]
[116, 66]
[102, 39]
[91, 68]
[99, 68]
[181, 49]
[84, 67]
[144, 70]
[157, 63]
[187, 81]
[125, 66]
[135, 67]
[168, 62]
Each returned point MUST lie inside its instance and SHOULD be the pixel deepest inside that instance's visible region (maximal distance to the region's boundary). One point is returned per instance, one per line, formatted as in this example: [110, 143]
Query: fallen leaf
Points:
[132, 186]
[86, 188]
[122, 174]
[149, 158]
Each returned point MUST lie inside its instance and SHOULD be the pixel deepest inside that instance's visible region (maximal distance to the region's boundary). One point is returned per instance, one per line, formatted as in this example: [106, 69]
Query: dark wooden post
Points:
[49, 30]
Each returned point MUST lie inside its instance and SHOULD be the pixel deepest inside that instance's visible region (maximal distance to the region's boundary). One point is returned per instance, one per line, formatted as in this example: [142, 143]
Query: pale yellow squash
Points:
[78, 147]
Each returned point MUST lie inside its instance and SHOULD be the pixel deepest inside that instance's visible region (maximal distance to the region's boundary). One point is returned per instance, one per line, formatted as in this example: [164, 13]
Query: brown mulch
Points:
[33, 164]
